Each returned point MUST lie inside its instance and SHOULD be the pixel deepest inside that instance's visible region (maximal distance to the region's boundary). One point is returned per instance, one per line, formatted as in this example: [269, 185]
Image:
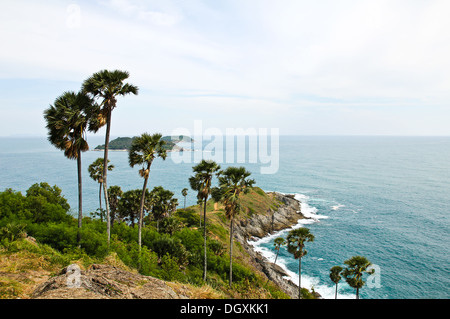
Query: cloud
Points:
[295, 56]
[133, 10]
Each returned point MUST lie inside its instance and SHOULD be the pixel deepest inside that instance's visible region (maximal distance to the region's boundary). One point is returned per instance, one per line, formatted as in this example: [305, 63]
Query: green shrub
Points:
[172, 246]
[93, 242]
[171, 269]
[57, 235]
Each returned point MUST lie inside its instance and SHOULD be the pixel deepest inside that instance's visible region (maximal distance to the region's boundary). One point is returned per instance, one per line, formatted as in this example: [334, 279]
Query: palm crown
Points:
[296, 241]
[67, 120]
[233, 181]
[145, 148]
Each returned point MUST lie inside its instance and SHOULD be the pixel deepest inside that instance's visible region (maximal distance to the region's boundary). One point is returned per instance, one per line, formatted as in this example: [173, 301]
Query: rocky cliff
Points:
[262, 224]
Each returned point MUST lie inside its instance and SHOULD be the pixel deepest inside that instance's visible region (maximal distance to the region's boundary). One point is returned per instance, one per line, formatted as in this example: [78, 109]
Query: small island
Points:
[124, 143]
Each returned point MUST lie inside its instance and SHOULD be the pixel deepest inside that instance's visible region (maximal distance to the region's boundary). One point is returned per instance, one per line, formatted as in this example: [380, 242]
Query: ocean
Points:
[386, 198]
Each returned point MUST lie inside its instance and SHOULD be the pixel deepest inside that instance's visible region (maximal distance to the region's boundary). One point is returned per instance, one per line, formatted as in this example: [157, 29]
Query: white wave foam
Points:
[337, 207]
[307, 210]
[327, 292]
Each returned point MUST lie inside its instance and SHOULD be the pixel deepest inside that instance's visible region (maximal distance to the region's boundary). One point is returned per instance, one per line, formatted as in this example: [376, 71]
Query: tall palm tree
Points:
[335, 276]
[296, 245]
[144, 149]
[184, 192]
[107, 85]
[201, 182]
[67, 120]
[356, 267]
[96, 173]
[233, 182]
[278, 242]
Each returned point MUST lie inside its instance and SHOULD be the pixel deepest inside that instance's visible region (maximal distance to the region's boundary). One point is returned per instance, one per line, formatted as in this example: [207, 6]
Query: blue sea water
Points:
[386, 198]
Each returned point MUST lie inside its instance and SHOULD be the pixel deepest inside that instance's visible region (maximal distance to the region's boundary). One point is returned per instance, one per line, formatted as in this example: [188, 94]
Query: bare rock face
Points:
[260, 225]
[103, 282]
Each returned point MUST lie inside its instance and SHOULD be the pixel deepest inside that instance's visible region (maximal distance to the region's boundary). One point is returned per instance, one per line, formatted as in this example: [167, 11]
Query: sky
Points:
[323, 67]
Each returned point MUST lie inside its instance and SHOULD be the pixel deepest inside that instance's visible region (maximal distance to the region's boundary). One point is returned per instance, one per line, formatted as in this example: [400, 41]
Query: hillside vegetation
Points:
[38, 238]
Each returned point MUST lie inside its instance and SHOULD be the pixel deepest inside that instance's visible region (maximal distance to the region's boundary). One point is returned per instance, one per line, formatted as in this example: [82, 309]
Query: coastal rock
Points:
[103, 282]
[260, 225]
[287, 215]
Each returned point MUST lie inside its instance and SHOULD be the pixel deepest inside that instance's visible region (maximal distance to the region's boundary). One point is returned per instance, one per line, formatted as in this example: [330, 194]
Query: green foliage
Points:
[188, 216]
[172, 246]
[175, 253]
[171, 268]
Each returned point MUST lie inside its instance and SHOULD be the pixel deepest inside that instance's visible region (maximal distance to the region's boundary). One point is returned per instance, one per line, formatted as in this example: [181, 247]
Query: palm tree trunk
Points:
[184, 202]
[300, 278]
[100, 201]
[204, 235]
[231, 251]
[276, 255]
[201, 214]
[80, 198]
[357, 293]
[335, 294]
[105, 170]
[141, 211]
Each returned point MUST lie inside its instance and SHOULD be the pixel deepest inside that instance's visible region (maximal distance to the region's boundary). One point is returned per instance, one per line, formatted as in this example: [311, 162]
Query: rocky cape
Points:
[110, 282]
[263, 224]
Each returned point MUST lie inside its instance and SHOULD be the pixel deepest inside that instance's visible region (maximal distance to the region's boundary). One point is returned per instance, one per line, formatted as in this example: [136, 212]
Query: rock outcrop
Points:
[103, 282]
[261, 225]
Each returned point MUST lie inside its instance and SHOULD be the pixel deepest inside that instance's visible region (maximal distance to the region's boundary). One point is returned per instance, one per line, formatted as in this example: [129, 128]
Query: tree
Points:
[96, 173]
[296, 245]
[114, 194]
[201, 182]
[184, 192]
[335, 276]
[129, 205]
[143, 151]
[162, 203]
[107, 85]
[356, 267]
[67, 120]
[233, 182]
[278, 242]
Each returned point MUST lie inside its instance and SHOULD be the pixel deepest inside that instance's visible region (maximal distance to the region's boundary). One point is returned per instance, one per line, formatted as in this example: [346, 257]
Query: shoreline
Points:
[261, 226]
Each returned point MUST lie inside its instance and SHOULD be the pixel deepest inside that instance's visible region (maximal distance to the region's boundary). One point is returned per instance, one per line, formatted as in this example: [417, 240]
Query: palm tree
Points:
[96, 173]
[144, 149]
[296, 245]
[278, 242]
[201, 182]
[233, 182]
[67, 120]
[184, 192]
[335, 276]
[107, 85]
[357, 266]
